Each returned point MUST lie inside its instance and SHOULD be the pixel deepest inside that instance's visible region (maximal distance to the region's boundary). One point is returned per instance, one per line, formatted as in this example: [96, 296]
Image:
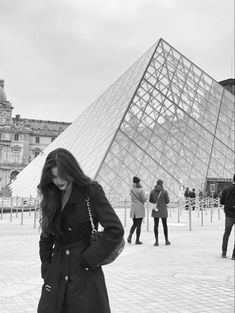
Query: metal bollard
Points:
[211, 214]
[22, 214]
[147, 217]
[218, 213]
[190, 216]
[2, 208]
[178, 215]
[30, 199]
[11, 209]
[16, 206]
[206, 205]
[198, 206]
[35, 214]
[202, 217]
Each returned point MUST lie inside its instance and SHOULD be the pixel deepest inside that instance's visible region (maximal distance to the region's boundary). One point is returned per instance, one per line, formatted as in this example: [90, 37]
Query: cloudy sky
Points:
[58, 56]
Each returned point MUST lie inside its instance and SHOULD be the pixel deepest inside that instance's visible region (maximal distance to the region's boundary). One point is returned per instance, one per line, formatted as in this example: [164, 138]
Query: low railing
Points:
[18, 206]
[181, 211]
[184, 210]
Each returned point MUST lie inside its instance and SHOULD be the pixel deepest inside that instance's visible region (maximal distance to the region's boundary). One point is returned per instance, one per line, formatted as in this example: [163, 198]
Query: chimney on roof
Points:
[2, 83]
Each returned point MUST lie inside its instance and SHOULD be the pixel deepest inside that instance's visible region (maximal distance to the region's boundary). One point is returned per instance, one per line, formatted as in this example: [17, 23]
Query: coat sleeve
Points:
[143, 196]
[45, 251]
[151, 200]
[167, 198]
[96, 253]
[222, 199]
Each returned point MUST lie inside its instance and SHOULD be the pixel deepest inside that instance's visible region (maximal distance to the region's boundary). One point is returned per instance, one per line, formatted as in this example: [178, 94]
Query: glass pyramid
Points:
[164, 118]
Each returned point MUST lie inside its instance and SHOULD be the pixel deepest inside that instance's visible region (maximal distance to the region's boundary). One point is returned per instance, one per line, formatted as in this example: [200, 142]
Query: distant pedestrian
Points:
[137, 213]
[186, 195]
[228, 200]
[200, 195]
[192, 197]
[160, 197]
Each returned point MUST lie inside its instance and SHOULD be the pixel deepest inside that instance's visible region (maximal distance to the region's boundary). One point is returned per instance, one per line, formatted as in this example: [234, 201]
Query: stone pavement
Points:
[188, 276]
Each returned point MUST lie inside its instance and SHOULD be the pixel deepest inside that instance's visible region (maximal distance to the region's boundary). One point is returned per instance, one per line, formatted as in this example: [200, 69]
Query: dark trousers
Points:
[186, 203]
[192, 203]
[136, 226]
[165, 228]
[229, 222]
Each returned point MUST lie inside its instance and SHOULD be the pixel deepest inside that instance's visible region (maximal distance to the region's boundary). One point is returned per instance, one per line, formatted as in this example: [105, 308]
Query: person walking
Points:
[186, 195]
[228, 200]
[70, 266]
[200, 196]
[160, 197]
[192, 196]
[137, 212]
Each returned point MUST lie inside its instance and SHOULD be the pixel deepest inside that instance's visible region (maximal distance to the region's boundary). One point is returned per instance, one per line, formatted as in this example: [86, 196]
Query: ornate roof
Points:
[3, 96]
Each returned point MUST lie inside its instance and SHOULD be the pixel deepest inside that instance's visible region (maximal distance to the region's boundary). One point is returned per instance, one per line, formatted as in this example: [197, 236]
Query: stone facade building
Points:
[21, 139]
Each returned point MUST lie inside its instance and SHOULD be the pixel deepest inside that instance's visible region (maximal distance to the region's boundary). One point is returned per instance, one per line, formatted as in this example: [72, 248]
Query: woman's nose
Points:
[59, 180]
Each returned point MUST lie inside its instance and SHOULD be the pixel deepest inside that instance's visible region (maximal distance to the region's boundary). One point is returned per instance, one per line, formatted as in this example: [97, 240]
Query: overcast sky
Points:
[57, 57]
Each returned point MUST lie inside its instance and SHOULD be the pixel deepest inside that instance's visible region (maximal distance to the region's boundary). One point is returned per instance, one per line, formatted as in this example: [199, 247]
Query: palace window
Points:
[16, 155]
[16, 137]
[36, 153]
[37, 139]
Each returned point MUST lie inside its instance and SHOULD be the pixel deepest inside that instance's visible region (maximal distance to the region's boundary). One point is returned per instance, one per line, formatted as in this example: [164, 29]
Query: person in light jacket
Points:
[70, 266]
[137, 213]
[160, 197]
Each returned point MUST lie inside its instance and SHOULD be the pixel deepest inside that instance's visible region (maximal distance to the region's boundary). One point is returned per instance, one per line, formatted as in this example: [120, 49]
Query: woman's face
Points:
[57, 180]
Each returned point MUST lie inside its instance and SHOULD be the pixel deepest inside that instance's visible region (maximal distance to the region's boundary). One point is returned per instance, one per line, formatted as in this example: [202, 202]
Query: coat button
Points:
[67, 252]
[69, 229]
[66, 278]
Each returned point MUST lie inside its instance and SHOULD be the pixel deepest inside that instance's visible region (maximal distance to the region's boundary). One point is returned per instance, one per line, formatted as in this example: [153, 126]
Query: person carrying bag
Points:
[160, 198]
[137, 212]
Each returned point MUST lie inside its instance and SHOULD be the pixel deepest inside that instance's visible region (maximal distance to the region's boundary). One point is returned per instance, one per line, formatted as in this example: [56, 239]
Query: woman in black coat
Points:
[73, 278]
[159, 196]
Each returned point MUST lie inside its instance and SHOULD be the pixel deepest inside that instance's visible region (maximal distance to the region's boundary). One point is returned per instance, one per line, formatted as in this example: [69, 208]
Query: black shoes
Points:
[129, 239]
[137, 242]
[167, 243]
[223, 255]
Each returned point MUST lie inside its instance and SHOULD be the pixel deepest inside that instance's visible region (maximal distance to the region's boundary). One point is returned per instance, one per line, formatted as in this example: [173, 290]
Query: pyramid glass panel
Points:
[164, 118]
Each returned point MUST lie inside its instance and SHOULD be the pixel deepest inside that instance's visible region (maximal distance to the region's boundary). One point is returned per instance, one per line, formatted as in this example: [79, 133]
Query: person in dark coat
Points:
[186, 195]
[137, 212]
[160, 197]
[192, 196]
[228, 200]
[70, 266]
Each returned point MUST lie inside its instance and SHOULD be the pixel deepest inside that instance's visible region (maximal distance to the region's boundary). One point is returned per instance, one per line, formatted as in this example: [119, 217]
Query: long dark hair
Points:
[69, 169]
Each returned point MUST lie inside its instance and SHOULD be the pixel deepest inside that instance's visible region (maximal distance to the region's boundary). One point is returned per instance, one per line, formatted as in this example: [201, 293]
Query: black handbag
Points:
[95, 235]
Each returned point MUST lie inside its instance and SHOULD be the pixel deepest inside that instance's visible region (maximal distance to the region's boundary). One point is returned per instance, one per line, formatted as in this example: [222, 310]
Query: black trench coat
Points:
[73, 280]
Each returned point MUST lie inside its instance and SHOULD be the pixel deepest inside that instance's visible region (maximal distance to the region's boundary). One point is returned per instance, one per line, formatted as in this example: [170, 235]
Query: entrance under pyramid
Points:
[164, 118]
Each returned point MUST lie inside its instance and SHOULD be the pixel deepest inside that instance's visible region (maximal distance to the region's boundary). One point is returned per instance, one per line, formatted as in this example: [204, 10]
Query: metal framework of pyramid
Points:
[163, 118]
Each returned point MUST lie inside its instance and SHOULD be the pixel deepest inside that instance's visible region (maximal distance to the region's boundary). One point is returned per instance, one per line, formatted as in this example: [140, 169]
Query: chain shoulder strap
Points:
[90, 215]
[158, 197]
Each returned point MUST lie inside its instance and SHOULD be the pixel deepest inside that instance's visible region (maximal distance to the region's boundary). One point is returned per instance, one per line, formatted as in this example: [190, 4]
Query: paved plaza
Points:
[188, 276]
